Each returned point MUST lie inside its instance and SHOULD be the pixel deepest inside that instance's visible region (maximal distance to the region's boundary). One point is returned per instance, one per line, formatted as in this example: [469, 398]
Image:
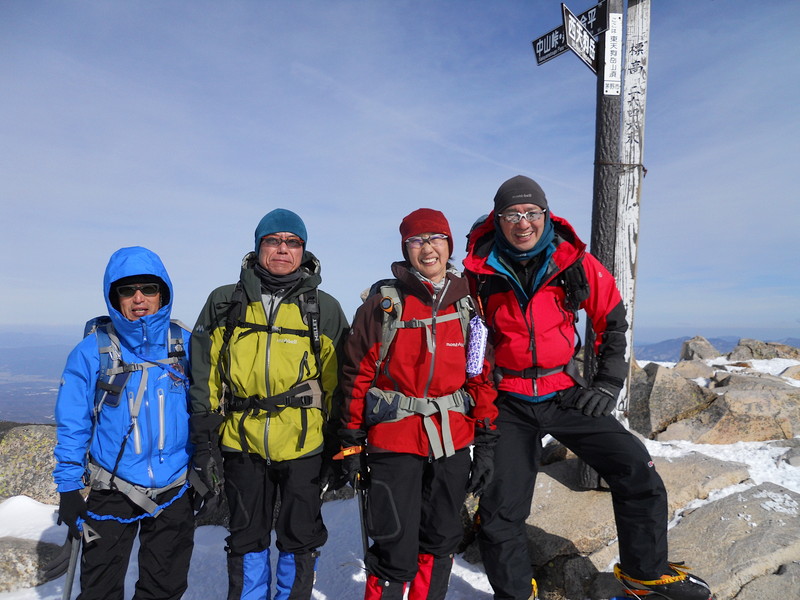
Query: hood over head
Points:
[137, 264]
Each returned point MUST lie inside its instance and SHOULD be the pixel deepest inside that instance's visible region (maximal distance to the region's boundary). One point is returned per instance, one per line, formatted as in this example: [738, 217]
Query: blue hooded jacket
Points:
[157, 451]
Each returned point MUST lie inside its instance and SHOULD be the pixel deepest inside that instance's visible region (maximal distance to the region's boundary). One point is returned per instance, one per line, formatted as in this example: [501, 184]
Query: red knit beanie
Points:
[425, 220]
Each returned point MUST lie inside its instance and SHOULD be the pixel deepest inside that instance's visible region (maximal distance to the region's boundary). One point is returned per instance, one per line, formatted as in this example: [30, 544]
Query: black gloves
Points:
[598, 400]
[482, 460]
[331, 475]
[71, 505]
[207, 463]
[207, 460]
[354, 461]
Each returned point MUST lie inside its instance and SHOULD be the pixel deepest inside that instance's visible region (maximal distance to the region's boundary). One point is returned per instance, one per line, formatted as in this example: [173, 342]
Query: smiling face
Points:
[523, 235]
[430, 259]
[283, 258]
[138, 305]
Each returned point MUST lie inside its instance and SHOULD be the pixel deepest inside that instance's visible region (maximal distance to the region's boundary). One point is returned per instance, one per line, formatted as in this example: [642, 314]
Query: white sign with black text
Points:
[612, 74]
[579, 39]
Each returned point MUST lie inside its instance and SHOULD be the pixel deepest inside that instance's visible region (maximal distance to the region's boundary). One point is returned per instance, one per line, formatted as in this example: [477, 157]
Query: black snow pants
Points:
[165, 549]
[638, 494]
[413, 508]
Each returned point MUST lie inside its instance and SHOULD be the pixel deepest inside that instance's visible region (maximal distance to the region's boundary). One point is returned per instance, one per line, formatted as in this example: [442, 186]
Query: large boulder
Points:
[757, 350]
[698, 348]
[792, 372]
[660, 396]
[750, 380]
[761, 528]
[22, 562]
[694, 369]
[742, 415]
[27, 463]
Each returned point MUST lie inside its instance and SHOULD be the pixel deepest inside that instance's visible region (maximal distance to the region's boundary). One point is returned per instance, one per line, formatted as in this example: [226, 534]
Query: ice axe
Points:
[66, 561]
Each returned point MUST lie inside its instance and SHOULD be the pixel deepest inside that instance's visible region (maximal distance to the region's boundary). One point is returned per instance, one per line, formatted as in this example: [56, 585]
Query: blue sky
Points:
[176, 125]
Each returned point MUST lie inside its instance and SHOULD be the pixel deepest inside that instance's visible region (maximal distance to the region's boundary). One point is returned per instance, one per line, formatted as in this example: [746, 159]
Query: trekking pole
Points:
[361, 494]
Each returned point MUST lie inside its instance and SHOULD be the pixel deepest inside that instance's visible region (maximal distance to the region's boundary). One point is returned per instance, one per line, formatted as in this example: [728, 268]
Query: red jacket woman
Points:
[415, 411]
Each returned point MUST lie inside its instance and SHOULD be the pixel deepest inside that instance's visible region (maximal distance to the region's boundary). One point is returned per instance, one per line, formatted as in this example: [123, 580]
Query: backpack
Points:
[307, 395]
[114, 372]
[112, 378]
[576, 289]
[392, 307]
[309, 310]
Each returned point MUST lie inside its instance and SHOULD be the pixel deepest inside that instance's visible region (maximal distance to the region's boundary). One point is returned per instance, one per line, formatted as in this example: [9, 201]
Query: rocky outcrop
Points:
[698, 348]
[21, 562]
[26, 463]
[741, 415]
[660, 396]
[757, 350]
[717, 400]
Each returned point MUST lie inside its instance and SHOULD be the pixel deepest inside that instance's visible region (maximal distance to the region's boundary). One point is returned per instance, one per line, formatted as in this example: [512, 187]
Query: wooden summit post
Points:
[617, 178]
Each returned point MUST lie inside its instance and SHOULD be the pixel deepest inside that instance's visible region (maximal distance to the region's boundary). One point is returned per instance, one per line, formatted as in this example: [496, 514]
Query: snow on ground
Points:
[341, 569]
[340, 575]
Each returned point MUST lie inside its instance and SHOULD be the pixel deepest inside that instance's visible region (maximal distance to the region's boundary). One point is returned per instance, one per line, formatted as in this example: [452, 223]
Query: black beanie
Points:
[519, 190]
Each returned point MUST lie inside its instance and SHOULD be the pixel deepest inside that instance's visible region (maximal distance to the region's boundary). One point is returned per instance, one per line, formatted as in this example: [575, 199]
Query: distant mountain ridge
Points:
[670, 350]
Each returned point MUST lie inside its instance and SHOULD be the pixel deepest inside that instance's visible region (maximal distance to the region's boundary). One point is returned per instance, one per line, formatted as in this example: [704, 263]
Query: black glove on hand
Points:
[207, 460]
[207, 463]
[482, 469]
[597, 401]
[71, 505]
[331, 474]
[353, 464]
[482, 460]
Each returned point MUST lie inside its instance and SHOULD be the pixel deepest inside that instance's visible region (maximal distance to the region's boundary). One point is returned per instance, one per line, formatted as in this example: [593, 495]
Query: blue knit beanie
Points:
[279, 220]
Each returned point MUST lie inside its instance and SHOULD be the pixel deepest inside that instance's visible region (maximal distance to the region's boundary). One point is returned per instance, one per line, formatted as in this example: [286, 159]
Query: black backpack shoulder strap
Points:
[576, 286]
[576, 291]
[309, 308]
[237, 310]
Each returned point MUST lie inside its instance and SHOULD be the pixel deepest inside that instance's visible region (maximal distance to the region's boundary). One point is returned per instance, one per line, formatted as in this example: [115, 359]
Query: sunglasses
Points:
[147, 289]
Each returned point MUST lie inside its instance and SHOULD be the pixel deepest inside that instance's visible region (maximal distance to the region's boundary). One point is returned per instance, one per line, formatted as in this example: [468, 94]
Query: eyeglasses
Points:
[436, 240]
[147, 289]
[274, 242]
[531, 216]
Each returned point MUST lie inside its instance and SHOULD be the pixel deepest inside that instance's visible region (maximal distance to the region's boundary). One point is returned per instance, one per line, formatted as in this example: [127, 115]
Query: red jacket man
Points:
[532, 274]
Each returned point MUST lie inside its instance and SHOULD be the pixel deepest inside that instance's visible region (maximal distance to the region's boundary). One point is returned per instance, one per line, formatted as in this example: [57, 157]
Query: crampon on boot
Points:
[679, 584]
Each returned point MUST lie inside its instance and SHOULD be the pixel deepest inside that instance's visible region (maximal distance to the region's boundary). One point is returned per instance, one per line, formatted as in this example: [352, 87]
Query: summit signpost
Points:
[579, 39]
[614, 175]
[554, 43]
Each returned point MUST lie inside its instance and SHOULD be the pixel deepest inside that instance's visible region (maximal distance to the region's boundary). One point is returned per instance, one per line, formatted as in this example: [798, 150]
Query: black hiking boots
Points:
[677, 584]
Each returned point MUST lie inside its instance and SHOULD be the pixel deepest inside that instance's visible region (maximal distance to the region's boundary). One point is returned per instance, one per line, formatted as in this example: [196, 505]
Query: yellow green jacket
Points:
[266, 362]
